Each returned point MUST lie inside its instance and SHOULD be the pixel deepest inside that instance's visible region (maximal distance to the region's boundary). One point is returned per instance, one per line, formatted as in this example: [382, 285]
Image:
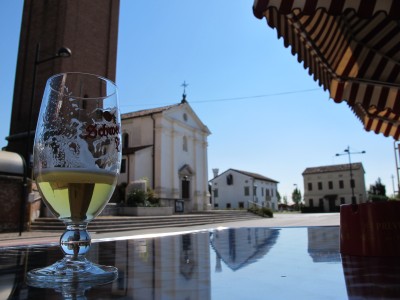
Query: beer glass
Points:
[77, 156]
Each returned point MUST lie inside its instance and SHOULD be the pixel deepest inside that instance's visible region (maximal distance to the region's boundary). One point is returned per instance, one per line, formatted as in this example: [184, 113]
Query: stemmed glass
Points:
[77, 156]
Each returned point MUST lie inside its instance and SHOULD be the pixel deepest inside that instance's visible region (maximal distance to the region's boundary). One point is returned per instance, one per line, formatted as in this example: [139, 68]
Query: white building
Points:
[234, 189]
[168, 146]
[327, 187]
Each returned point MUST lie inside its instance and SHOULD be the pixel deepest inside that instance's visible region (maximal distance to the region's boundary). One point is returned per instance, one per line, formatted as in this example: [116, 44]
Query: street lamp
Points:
[347, 152]
[61, 53]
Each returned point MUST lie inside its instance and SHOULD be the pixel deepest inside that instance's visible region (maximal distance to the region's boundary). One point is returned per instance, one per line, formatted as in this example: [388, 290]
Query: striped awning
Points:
[350, 47]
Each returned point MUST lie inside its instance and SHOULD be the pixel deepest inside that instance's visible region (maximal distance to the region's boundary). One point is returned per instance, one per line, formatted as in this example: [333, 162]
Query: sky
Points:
[265, 112]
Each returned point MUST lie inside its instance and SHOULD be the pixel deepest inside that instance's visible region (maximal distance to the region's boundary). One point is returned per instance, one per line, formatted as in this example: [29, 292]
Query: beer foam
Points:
[64, 142]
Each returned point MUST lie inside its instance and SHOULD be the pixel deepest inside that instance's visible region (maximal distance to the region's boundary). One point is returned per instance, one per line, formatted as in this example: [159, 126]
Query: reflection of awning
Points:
[352, 48]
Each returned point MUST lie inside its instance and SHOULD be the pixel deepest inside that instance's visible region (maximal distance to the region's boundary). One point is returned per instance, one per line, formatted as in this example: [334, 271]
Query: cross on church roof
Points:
[184, 84]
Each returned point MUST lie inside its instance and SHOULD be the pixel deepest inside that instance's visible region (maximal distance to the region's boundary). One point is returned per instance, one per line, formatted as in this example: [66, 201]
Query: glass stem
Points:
[75, 241]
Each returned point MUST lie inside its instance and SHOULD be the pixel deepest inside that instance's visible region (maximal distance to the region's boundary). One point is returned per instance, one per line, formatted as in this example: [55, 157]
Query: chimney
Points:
[215, 171]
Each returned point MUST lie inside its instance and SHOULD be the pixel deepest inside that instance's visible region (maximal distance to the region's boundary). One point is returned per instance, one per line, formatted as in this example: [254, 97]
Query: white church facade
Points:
[167, 146]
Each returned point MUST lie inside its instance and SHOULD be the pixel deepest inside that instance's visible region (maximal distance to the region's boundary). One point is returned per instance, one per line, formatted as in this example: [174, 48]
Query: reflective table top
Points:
[225, 263]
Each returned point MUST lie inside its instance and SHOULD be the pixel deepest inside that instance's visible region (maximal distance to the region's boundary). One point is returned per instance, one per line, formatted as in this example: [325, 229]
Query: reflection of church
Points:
[168, 146]
[240, 247]
[323, 244]
[177, 267]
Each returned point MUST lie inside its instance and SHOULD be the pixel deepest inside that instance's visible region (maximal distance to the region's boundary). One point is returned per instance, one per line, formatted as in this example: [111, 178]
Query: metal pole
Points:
[28, 142]
[397, 166]
[353, 198]
[25, 194]
[394, 192]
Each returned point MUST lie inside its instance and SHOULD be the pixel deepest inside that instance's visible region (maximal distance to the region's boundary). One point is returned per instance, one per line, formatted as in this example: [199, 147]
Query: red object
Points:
[370, 229]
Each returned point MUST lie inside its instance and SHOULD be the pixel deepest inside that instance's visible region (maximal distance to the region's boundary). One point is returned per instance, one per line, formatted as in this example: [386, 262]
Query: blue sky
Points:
[265, 113]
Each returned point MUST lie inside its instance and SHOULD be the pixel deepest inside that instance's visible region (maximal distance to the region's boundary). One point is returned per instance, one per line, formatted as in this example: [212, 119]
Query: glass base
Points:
[70, 270]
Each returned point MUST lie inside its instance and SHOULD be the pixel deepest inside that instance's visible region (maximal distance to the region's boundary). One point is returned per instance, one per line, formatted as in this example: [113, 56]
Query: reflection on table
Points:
[232, 263]
[240, 247]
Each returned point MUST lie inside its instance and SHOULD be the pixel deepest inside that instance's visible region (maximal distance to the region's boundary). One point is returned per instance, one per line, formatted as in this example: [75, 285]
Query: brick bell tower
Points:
[89, 29]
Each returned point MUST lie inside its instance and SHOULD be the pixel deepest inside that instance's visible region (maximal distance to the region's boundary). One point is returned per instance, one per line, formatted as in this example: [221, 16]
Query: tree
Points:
[285, 200]
[296, 197]
[377, 192]
[278, 196]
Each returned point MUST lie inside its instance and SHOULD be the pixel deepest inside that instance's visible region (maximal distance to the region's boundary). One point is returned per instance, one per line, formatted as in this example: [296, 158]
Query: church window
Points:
[185, 145]
[125, 140]
[216, 193]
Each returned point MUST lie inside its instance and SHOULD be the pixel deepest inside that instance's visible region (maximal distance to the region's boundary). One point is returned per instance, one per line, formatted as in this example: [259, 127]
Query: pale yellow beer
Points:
[76, 195]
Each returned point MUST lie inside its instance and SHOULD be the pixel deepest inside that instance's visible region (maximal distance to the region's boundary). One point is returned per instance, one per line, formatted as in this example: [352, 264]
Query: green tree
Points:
[296, 198]
[377, 192]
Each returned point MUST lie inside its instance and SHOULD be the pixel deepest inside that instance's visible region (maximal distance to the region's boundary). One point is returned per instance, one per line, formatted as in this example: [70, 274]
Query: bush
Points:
[151, 199]
[136, 198]
[316, 209]
[261, 211]
[140, 198]
[267, 212]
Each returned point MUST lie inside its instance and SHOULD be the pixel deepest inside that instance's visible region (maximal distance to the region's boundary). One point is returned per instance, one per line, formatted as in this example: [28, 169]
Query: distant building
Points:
[168, 146]
[327, 187]
[234, 189]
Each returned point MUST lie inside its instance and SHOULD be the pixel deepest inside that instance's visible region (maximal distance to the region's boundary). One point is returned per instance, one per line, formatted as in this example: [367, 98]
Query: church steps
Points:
[123, 223]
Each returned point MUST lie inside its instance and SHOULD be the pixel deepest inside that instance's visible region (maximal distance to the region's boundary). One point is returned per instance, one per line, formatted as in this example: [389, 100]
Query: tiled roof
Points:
[255, 176]
[332, 168]
[146, 112]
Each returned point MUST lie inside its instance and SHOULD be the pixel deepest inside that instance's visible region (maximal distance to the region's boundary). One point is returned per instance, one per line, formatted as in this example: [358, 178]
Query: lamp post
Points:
[396, 157]
[348, 152]
[61, 53]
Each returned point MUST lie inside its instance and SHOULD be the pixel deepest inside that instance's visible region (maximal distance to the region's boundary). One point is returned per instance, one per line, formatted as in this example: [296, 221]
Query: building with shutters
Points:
[327, 187]
[236, 189]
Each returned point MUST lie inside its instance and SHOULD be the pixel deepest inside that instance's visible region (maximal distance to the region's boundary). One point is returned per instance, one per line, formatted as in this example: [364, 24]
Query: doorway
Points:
[185, 187]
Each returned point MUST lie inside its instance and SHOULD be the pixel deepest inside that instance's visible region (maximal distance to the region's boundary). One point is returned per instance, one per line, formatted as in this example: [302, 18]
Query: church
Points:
[168, 147]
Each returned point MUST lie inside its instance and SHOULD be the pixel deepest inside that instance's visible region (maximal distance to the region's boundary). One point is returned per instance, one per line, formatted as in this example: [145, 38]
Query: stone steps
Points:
[124, 223]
